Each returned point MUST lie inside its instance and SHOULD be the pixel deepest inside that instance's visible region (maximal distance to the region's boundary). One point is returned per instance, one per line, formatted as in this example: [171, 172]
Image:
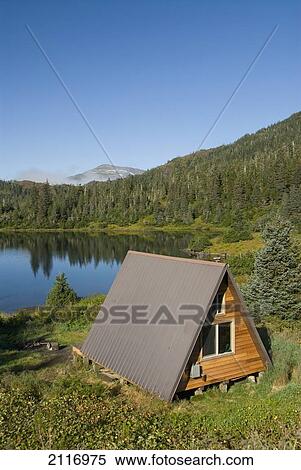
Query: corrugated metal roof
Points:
[154, 355]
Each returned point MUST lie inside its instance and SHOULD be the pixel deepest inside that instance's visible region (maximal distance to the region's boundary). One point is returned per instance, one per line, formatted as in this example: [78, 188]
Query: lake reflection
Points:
[29, 262]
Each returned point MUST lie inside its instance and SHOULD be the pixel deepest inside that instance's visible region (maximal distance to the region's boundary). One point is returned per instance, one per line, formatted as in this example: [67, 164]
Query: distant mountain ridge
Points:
[103, 173]
[249, 180]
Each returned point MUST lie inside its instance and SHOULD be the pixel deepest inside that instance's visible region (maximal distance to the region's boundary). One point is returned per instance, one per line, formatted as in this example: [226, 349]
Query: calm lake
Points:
[29, 262]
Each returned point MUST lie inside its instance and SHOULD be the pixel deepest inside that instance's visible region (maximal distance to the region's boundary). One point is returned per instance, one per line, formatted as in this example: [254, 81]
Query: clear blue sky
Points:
[150, 75]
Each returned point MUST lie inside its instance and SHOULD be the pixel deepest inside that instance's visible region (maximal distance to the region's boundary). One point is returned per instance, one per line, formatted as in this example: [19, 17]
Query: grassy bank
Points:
[48, 401]
[145, 225]
[111, 229]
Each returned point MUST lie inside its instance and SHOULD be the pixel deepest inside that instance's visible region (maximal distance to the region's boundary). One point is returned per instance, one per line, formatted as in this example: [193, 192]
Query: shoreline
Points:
[108, 230]
[136, 228]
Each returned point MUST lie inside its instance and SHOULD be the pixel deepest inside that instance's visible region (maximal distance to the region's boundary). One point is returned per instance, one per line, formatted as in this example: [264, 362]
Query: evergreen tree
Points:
[44, 202]
[275, 285]
[252, 177]
[61, 293]
[200, 242]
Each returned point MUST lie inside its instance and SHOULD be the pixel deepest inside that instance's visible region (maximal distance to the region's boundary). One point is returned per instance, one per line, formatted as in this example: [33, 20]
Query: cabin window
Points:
[219, 303]
[217, 339]
[224, 338]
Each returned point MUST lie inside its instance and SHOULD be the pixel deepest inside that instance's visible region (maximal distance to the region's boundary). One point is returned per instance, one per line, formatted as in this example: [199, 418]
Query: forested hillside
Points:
[255, 175]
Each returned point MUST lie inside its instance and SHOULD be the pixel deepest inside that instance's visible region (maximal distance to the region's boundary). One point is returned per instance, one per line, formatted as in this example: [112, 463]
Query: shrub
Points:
[200, 242]
[61, 293]
[237, 233]
[286, 359]
[242, 264]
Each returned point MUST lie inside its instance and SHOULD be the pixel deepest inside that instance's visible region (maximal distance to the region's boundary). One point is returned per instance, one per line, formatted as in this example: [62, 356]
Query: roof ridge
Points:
[176, 258]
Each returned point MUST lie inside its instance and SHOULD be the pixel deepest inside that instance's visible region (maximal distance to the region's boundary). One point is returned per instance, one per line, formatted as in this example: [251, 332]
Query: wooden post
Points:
[260, 377]
[251, 378]
[86, 360]
[223, 386]
[199, 391]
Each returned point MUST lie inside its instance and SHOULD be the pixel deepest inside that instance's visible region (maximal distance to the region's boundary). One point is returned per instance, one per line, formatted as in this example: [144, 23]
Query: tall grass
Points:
[45, 404]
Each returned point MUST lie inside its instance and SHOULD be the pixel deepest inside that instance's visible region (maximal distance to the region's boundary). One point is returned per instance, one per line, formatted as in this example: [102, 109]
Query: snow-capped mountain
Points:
[103, 173]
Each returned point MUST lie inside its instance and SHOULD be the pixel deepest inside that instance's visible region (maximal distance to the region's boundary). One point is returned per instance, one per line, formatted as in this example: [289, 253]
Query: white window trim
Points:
[232, 339]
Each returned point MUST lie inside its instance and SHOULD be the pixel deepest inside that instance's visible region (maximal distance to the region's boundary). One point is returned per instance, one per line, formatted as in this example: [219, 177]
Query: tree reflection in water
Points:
[82, 249]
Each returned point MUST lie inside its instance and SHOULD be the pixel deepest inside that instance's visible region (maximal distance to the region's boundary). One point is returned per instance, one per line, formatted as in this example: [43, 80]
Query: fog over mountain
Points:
[103, 173]
[100, 173]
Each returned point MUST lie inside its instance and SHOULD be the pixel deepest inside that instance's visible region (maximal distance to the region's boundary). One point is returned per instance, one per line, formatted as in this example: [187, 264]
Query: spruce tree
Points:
[61, 293]
[275, 285]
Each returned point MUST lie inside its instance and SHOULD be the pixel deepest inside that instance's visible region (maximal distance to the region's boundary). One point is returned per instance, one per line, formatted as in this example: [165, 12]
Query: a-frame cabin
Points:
[173, 324]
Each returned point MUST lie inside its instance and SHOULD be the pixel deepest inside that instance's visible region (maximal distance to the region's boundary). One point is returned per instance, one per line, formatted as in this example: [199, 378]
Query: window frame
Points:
[232, 341]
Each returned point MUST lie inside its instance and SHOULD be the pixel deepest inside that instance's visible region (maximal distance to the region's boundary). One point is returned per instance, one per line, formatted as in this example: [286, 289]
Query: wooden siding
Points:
[245, 360]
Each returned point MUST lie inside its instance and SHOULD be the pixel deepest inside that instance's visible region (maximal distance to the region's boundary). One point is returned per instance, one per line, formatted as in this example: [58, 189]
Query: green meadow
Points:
[49, 401]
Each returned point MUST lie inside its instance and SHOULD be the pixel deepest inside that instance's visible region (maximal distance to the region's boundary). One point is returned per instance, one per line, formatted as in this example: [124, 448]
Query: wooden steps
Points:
[106, 375]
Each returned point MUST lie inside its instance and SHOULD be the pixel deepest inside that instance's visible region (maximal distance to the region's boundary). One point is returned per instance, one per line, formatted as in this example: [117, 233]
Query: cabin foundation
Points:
[252, 379]
[105, 374]
[224, 386]
[199, 391]
[260, 377]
